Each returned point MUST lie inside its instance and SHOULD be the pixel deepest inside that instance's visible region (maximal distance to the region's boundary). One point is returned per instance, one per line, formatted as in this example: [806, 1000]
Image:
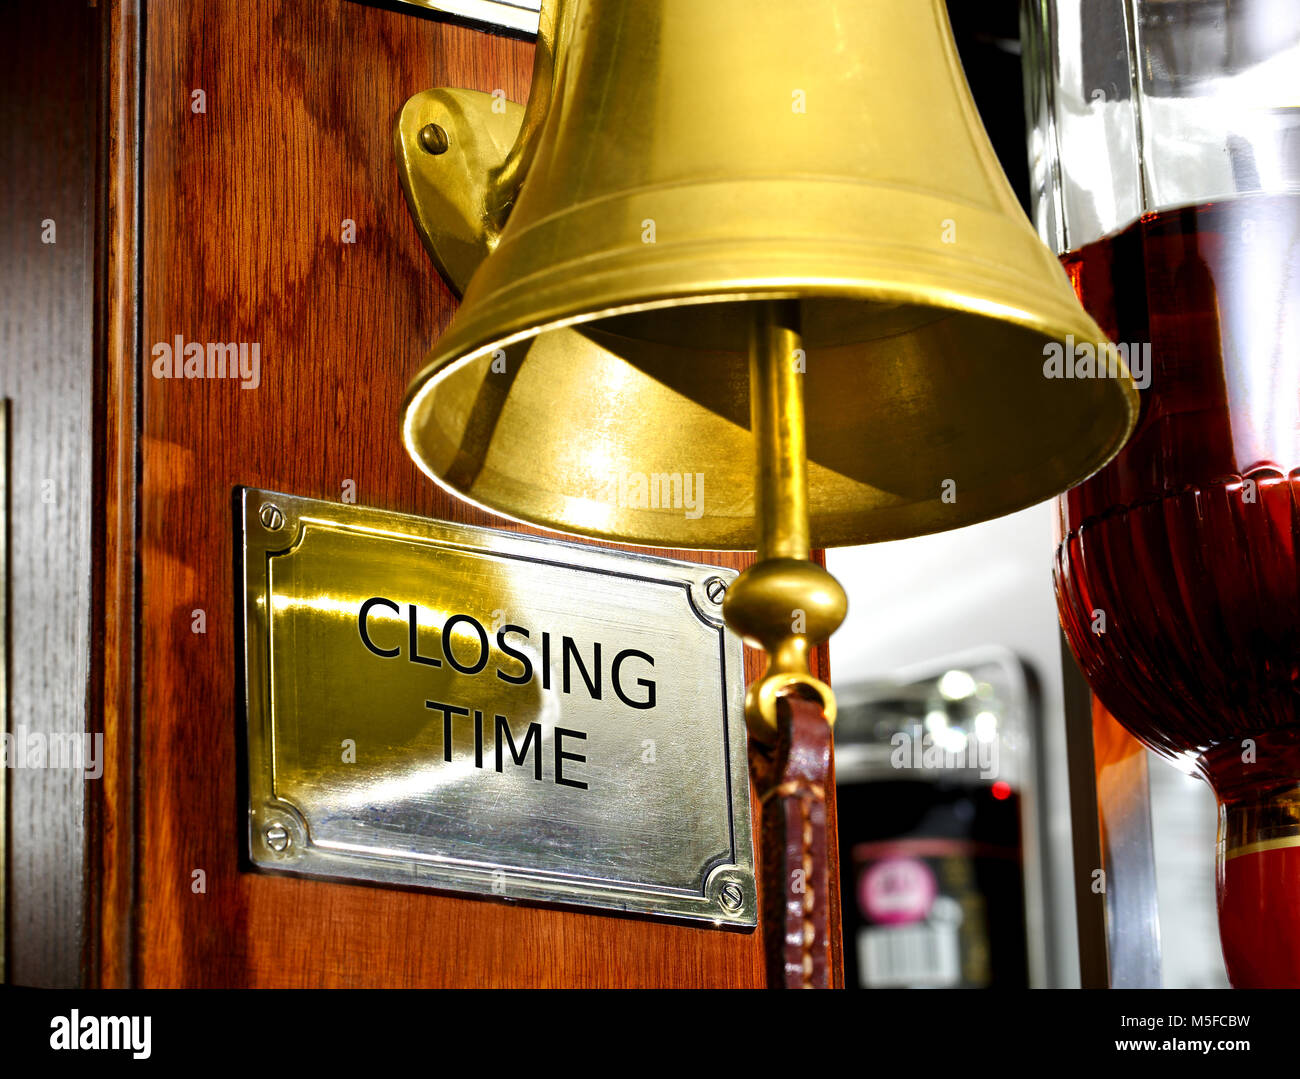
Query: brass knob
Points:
[787, 607]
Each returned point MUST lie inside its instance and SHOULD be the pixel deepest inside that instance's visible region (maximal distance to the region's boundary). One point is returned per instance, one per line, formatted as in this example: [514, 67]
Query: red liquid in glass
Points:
[1199, 584]
[1188, 543]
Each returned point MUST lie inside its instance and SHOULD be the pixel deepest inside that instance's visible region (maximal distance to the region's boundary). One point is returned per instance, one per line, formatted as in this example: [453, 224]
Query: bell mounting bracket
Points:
[450, 144]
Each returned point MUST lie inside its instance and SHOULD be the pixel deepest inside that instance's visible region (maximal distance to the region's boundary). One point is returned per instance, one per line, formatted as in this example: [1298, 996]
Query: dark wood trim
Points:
[48, 75]
[112, 811]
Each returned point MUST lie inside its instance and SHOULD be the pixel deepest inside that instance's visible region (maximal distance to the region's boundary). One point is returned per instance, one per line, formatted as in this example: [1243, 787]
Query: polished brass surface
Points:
[777, 422]
[1266, 820]
[787, 607]
[443, 136]
[435, 705]
[468, 135]
[504, 181]
[764, 290]
[675, 172]
[784, 603]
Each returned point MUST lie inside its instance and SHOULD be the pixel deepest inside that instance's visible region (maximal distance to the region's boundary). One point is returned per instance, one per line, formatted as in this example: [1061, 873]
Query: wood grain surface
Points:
[48, 73]
[243, 211]
[112, 803]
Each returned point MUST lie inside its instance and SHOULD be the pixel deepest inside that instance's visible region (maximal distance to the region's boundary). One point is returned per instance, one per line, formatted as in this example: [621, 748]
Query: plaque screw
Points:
[731, 896]
[715, 588]
[277, 836]
[271, 517]
[433, 139]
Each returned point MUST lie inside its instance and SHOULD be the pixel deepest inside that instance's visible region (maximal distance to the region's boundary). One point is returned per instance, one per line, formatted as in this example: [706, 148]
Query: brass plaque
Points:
[441, 706]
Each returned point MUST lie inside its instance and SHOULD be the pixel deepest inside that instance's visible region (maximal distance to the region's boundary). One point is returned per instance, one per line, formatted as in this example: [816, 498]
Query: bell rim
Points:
[446, 360]
[1081, 327]
[948, 283]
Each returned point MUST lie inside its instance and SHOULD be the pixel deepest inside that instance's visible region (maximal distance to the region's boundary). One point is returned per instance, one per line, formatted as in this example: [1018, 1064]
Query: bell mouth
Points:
[632, 425]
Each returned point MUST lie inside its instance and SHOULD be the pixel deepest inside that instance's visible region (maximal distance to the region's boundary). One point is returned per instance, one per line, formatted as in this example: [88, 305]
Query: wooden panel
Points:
[244, 207]
[112, 815]
[47, 168]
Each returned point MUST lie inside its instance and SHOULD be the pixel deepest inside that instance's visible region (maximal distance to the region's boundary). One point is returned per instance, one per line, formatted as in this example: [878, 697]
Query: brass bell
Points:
[730, 233]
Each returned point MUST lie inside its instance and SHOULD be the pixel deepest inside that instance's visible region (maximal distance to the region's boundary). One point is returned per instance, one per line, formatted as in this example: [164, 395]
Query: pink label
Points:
[895, 891]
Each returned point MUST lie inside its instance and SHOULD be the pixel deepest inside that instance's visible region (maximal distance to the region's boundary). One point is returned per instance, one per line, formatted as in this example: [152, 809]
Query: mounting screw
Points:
[277, 838]
[271, 517]
[731, 896]
[715, 588]
[433, 139]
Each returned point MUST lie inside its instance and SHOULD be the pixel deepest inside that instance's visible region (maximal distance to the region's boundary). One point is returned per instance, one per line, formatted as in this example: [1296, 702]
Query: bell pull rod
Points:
[777, 421]
[784, 603]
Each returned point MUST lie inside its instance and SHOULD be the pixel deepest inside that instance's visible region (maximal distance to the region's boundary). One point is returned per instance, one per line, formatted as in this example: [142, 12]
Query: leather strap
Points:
[794, 841]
